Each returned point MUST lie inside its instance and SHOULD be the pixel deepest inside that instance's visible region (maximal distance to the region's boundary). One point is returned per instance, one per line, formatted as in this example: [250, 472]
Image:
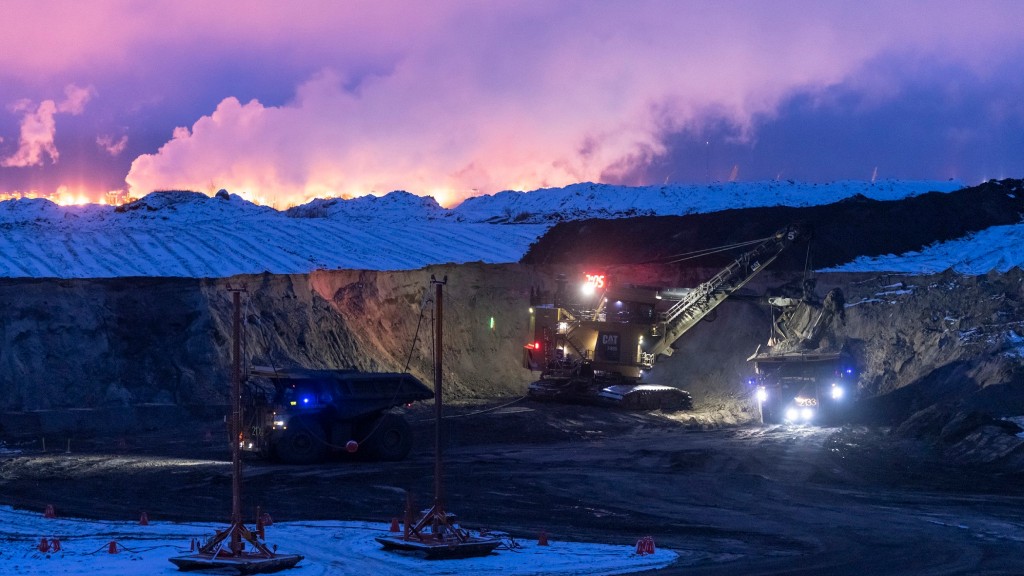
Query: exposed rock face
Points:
[95, 343]
[919, 341]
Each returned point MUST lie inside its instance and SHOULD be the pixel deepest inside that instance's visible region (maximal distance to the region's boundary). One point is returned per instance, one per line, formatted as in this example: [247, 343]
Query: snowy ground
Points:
[997, 248]
[335, 548]
[187, 234]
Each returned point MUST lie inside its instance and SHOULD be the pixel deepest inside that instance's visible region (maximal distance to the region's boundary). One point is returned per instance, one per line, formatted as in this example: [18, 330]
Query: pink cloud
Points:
[38, 127]
[36, 140]
[456, 98]
[112, 146]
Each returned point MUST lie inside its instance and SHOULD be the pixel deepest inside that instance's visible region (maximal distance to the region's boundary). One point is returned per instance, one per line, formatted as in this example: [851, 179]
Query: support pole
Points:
[438, 402]
[235, 427]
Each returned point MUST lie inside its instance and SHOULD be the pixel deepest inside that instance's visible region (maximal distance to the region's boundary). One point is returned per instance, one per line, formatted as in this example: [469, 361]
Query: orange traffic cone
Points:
[542, 540]
[394, 525]
[49, 513]
[112, 547]
[144, 519]
[55, 544]
[44, 545]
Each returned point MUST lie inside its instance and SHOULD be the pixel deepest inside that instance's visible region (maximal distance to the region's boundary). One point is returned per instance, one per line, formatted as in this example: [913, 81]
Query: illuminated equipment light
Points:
[292, 403]
[492, 323]
[792, 414]
[531, 310]
[563, 327]
[807, 413]
[306, 400]
[837, 392]
[533, 346]
[278, 423]
[762, 394]
[801, 401]
[592, 283]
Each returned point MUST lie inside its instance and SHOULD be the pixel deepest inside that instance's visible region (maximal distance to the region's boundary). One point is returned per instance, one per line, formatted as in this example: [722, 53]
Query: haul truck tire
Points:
[303, 442]
[387, 438]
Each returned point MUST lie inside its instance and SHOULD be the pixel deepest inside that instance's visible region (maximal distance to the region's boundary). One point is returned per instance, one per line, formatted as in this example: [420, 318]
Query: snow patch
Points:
[329, 548]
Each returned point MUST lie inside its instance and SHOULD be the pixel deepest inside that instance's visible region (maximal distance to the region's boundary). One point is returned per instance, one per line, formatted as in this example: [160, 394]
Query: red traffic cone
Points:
[267, 520]
[112, 547]
[394, 525]
[44, 545]
[144, 519]
[542, 540]
[645, 546]
[49, 513]
[55, 545]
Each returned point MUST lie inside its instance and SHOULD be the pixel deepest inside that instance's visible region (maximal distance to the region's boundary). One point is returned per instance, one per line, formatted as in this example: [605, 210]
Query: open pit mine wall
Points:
[130, 342]
[135, 341]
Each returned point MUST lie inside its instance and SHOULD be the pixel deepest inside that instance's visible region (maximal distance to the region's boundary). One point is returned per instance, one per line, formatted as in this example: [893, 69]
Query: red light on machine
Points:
[533, 346]
[593, 283]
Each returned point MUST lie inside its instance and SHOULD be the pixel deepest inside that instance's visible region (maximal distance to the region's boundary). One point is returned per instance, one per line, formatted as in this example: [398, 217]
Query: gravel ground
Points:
[760, 500]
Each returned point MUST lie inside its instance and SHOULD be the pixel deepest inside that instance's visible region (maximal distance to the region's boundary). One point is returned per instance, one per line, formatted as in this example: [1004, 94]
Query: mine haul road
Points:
[742, 500]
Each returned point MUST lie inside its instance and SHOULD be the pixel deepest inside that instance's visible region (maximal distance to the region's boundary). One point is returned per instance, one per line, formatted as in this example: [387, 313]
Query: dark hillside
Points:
[841, 231]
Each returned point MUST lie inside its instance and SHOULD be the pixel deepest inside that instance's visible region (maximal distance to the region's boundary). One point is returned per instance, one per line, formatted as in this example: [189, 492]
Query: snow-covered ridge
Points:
[188, 234]
[589, 200]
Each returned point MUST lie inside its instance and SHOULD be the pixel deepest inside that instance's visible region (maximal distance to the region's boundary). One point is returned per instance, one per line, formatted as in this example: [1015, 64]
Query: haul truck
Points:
[803, 375]
[313, 413]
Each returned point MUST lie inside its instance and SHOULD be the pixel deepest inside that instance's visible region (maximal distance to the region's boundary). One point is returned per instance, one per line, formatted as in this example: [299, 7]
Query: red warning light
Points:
[593, 283]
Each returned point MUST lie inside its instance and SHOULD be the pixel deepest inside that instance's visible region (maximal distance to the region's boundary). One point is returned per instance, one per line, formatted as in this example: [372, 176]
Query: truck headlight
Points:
[762, 394]
[792, 414]
[837, 392]
[807, 413]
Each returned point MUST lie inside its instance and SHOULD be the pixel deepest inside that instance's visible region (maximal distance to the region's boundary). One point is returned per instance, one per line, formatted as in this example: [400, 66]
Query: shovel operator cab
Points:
[592, 344]
[313, 413]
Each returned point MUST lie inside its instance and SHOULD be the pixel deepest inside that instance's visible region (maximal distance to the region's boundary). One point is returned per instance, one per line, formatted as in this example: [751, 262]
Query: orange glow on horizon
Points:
[66, 196]
[79, 196]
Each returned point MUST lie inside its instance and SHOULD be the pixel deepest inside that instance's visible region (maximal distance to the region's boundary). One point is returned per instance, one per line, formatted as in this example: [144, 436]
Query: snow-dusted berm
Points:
[329, 549]
[188, 234]
[997, 248]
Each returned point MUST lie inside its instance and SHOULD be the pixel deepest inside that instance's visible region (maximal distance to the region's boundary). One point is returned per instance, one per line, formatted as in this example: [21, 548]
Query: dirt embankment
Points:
[88, 344]
[842, 231]
[72, 346]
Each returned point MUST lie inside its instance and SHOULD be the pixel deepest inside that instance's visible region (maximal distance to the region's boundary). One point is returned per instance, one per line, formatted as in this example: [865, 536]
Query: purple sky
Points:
[288, 100]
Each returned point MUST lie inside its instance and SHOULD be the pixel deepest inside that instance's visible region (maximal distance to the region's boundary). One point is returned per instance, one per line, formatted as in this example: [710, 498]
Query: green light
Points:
[492, 322]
